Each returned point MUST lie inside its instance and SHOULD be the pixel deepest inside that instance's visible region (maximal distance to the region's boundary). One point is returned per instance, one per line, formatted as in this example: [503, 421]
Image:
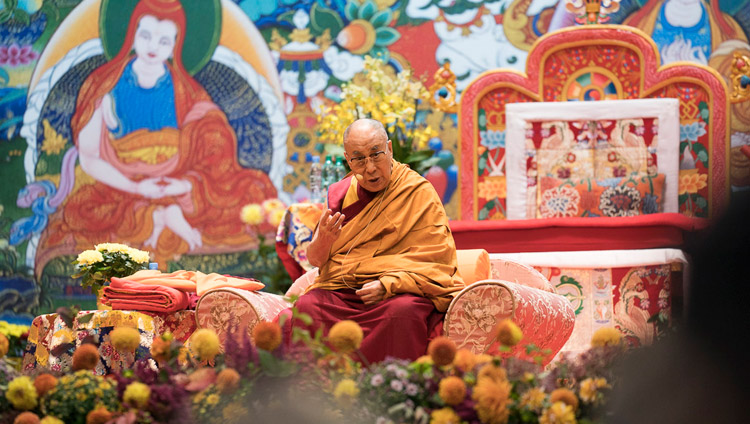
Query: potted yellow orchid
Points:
[97, 266]
[391, 99]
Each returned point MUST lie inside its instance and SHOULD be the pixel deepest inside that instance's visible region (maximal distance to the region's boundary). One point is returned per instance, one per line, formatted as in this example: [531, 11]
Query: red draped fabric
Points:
[401, 326]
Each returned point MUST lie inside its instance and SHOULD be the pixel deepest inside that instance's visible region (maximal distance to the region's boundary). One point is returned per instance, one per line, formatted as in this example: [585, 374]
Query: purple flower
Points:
[397, 385]
[412, 389]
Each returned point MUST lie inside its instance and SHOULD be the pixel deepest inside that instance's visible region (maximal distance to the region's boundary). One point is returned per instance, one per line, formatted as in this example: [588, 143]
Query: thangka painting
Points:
[238, 111]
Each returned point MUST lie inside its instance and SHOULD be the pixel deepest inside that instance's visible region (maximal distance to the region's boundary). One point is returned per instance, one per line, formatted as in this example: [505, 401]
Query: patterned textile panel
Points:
[624, 298]
[296, 230]
[48, 333]
[520, 274]
[226, 310]
[545, 318]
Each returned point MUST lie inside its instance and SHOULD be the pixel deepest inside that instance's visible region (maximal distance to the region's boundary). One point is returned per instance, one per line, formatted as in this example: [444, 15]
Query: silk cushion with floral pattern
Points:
[587, 197]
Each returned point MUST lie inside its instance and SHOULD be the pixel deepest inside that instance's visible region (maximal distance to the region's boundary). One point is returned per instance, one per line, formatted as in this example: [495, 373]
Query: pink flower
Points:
[14, 55]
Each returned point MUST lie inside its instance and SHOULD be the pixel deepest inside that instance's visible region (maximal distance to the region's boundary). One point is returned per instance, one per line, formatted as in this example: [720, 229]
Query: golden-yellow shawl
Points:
[401, 238]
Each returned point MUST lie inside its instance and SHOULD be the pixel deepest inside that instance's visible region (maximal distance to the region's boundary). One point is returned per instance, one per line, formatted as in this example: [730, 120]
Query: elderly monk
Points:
[386, 257]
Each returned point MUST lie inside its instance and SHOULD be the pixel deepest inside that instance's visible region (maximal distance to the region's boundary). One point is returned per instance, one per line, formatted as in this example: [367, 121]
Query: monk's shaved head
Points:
[366, 124]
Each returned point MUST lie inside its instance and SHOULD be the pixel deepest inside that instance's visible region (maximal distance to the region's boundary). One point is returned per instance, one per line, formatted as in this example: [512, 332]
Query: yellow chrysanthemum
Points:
[112, 247]
[564, 395]
[508, 333]
[606, 336]
[139, 256]
[346, 336]
[267, 335]
[136, 394]
[204, 343]
[533, 399]
[465, 360]
[51, 420]
[88, 257]
[558, 413]
[21, 393]
[4, 345]
[589, 389]
[346, 390]
[491, 399]
[252, 214]
[275, 217]
[125, 339]
[212, 399]
[444, 416]
[271, 205]
[452, 390]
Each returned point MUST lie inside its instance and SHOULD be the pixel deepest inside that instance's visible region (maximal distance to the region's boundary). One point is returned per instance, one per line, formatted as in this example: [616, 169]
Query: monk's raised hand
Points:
[372, 292]
[330, 225]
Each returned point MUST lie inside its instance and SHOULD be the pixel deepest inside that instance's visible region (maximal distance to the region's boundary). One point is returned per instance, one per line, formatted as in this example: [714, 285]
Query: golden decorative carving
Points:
[740, 78]
[445, 82]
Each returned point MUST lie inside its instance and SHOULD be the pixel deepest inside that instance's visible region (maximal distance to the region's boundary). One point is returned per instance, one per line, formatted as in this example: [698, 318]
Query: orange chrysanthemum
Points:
[26, 418]
[493, 372]
[452, 390]
[346, 336]
[533, 399]
[491, 399]
[228, 380]
[508, 333]
[267, 335]
[99, 415]
[85, 357]
[160, 349]
[442, 350]
[564, 395]
[465, 360]
[4, 345]
[43, 383]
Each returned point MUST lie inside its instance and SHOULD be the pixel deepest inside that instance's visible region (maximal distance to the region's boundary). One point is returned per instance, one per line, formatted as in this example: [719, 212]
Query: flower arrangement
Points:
[317, 378]
[12, 339]
[266, 264]
[392, 100]
[96, 267]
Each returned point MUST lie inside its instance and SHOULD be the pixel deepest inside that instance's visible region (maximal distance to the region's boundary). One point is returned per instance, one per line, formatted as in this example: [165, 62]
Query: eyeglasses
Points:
[361, 161]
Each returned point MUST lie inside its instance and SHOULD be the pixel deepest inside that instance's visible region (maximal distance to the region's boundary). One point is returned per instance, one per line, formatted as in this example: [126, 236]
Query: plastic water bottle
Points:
[316, 180]
[329, 173]
[340, 168]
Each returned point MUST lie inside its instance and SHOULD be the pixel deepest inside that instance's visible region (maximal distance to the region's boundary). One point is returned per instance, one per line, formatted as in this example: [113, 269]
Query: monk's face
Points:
[369, 154]
[154, 39]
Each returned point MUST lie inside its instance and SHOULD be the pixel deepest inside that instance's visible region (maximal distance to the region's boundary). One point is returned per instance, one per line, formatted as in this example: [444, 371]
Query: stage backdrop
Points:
[88, 156]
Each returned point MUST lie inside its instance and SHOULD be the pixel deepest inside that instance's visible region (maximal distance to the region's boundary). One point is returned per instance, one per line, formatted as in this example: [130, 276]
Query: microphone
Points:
[359, 177]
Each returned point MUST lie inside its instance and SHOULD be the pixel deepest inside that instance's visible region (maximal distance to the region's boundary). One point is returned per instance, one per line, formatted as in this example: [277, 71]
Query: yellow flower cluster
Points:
[21, 393]
[558, 413]
[606, 336]
[204, 344]
[271, 211]
[379, 95]
[346, 390]
[88, 257]
[12, 330]
[589, 390]
[136, 394]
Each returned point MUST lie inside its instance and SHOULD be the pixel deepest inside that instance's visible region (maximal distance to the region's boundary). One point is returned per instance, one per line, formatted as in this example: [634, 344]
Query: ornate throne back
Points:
[601, 62]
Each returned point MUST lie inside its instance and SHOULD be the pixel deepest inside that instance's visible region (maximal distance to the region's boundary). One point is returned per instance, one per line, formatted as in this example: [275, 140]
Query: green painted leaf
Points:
[351, 10]
[286, 17]
[322, 18]
[382, 18]
[367, 10]
[386, 36]
[700, 201]
[701, 153]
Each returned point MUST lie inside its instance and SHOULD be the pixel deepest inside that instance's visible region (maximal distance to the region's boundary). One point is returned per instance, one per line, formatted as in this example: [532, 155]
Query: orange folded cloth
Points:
[122, 294]
[194, 281]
